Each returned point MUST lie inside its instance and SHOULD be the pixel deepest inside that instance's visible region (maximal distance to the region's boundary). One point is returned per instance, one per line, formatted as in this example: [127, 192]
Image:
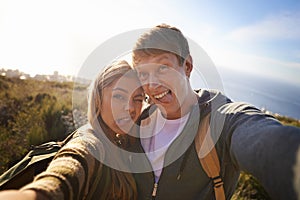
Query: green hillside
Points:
[31, 113]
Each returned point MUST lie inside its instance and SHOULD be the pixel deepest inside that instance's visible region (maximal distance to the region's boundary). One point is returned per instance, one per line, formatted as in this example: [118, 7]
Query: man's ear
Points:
[188, 65]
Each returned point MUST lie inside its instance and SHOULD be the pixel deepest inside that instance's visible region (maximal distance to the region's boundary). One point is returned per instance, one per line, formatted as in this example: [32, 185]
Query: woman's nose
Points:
[130, 107]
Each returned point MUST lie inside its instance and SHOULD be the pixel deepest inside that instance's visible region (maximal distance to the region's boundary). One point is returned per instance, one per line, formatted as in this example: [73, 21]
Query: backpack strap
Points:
[208, 156]
[66, 140]
[35, 161]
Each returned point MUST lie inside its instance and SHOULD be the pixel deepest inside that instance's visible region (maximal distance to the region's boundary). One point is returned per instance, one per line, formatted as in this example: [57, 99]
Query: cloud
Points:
[257, 64]
[296, 53]
[286, 25]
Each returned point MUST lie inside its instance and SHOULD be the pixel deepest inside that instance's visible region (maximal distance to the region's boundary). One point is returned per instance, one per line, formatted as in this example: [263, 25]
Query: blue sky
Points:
[255, 36]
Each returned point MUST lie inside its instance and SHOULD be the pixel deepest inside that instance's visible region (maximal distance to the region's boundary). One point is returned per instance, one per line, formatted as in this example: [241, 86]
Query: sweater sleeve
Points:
[72, 170]
[263, 147]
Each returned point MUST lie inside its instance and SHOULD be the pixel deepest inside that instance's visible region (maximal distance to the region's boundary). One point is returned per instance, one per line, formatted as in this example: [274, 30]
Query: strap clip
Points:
[218, 182]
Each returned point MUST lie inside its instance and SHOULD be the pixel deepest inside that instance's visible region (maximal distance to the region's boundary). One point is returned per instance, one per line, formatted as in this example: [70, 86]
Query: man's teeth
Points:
[161, 95]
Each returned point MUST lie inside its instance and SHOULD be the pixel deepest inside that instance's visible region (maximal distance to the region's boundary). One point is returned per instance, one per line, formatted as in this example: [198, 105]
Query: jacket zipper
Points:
[155, 186]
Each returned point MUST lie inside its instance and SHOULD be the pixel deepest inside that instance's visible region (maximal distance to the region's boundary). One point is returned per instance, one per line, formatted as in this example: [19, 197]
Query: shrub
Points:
[30, 114]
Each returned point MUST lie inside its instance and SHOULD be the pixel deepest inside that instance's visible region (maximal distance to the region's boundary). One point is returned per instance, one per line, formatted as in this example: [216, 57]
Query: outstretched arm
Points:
[68, 176]
[268, 150]
[25, 195]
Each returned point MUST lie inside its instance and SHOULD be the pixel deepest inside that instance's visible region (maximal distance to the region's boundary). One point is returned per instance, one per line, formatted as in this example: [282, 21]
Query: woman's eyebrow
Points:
[118, 88]
[124, 90]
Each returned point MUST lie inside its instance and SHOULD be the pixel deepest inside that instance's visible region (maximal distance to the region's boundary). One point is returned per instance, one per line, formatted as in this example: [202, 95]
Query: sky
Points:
[254, 36]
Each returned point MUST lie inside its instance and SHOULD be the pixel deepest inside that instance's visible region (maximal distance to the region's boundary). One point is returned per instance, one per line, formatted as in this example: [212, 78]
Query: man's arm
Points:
[266, 149]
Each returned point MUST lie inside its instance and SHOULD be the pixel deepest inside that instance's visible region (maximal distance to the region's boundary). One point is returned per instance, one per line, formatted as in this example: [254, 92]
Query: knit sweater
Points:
[76, 172]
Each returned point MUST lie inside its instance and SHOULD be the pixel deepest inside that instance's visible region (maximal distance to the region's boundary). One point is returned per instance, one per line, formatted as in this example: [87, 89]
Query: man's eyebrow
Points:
[163, 57]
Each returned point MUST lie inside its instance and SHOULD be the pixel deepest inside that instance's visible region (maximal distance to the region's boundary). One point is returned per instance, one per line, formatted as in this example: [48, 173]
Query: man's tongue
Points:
[165, 99]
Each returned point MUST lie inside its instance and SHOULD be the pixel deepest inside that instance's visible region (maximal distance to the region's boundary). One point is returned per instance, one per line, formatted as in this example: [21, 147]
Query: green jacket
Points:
[243, 136]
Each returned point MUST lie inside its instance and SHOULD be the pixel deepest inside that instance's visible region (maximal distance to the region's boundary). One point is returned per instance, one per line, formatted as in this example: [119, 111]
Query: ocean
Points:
[265, 93]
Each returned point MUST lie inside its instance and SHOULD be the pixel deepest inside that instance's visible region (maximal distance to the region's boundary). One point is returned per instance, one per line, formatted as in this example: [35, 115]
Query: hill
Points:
[31, 112]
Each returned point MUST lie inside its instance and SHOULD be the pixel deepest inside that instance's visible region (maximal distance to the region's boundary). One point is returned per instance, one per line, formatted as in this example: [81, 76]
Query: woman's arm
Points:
[68, 176]
[24, 195]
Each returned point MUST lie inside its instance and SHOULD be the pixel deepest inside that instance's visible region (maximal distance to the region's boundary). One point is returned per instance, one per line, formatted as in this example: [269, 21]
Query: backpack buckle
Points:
[217, 181]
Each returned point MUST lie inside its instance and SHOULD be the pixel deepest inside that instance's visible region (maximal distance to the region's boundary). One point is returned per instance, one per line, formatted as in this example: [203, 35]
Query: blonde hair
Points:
[122, 184]
[161, 39]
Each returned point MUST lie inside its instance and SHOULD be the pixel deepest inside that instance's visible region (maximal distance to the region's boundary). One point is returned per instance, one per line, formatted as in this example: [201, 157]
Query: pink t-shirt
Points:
[156, 145]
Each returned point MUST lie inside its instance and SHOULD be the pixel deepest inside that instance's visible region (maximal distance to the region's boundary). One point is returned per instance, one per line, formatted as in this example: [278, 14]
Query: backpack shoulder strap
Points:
[35, 161]
[208, 156]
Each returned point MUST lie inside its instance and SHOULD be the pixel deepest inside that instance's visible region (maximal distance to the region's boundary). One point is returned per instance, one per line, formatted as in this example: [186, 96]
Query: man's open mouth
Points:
[164, 97]
[161, 95]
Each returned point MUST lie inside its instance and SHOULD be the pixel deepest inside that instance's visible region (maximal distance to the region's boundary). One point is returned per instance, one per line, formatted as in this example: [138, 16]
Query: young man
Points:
[244, 137]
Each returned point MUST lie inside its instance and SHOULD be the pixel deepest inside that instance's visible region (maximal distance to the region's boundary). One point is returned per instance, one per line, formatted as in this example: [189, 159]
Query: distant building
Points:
[13, 73]
[57, 77]
[41, 77]
[24, 76]
[2, 72]
[54, 77]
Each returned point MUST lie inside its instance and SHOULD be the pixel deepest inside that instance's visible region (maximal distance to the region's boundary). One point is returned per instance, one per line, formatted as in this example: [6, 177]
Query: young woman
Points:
[84, 168]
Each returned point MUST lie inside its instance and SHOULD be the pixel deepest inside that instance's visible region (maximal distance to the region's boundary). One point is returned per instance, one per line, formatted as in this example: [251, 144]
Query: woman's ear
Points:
[188, 65]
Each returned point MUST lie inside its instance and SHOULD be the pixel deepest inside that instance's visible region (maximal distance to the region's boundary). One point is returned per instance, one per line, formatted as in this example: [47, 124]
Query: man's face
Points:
[166, 82]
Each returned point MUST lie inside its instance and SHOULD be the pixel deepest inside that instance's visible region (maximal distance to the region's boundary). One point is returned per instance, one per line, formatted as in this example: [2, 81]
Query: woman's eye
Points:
[139, 99]
[118, 96]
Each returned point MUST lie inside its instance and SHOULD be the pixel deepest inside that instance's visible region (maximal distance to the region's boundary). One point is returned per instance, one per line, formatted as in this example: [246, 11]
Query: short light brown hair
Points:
[158, 40]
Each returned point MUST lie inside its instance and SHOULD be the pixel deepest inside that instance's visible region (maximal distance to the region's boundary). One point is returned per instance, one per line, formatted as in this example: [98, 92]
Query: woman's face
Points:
[122, 104]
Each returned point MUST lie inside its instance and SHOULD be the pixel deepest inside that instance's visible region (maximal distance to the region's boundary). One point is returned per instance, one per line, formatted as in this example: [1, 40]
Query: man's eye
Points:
[163, 68]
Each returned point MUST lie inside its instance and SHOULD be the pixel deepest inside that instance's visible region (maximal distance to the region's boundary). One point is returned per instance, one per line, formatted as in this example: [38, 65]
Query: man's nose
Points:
[153, 81]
